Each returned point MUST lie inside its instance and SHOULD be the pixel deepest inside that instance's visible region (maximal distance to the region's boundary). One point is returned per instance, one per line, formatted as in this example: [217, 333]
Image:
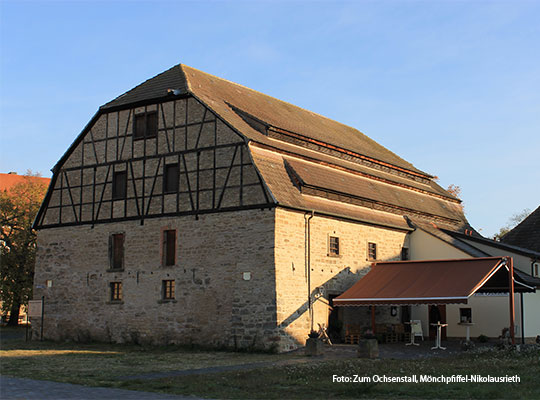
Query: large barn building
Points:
[192, 209]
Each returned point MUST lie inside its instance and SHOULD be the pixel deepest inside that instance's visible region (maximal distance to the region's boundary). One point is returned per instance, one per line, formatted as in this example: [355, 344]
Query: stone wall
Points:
[334, 273]
[214, 305]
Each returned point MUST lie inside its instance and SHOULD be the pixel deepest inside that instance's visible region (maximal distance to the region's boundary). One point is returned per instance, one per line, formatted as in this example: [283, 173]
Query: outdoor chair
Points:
[416, 328]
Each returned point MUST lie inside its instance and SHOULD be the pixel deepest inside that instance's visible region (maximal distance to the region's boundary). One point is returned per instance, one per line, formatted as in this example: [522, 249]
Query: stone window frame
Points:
[168, 289]
[165, 247]
[371, 250]
[333, 249]
[116, 293]
[112, 243]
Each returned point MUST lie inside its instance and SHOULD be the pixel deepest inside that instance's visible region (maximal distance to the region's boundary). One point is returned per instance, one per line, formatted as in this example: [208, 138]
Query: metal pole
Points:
[522, 319]
[511, 297]
[373, 319]
[42, 314]
[26, 332]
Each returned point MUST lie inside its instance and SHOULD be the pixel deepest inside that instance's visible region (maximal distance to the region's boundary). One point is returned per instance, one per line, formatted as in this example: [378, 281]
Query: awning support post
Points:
[522, 319]
[511, 297]
[373, 319]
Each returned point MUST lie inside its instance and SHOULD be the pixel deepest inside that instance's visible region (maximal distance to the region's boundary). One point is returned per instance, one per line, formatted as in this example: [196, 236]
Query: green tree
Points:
[18, 208]
[513, 221]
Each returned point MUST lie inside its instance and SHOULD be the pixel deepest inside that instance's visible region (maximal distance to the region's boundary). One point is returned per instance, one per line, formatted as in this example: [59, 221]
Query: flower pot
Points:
[314, 347]
[368, 348]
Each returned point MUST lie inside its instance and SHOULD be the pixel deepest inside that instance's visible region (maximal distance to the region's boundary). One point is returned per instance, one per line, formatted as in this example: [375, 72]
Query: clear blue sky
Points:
[451, 86]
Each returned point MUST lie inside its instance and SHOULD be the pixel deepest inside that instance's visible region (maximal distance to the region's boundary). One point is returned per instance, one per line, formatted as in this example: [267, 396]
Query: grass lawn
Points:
[314, 381]
[99, 364]
[102, 364]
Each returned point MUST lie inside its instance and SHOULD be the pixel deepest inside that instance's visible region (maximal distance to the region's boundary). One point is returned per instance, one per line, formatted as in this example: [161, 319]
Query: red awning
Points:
[421, 282]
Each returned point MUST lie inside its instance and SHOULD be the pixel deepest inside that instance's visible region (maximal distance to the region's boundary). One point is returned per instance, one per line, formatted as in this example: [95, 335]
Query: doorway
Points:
[437, 313]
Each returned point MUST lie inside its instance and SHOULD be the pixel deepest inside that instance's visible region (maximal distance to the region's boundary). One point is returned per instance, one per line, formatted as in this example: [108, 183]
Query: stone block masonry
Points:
[334, 273]
[214, 304]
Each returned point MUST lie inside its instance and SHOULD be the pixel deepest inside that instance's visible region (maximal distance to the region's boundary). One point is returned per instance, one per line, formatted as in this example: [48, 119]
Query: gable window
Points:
[119, 187]
[404, 253]
[333, 246]
[116, 291]
[145, 125]
[372, 251]
[171, 175]
[169, 247]
[167, 289]
[116, 251]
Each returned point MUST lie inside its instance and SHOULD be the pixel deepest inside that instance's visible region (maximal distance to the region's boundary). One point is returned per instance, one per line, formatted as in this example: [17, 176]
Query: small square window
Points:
[116, 251]
[372, 251]
[169, 247]
[168, 287]
[465, 315]
[333, 246]
[116, 291]
[171, 175]
[119, 185]
[145, 125]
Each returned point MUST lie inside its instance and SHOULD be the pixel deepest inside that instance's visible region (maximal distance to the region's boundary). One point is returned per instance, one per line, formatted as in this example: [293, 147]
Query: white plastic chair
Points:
[416, 328]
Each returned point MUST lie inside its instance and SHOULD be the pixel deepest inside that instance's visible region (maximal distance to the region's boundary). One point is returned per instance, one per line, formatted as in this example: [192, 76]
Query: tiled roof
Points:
[445, 233]
[227, 98]
[324, 179]
[7, 181]
[344, 172]
[526, 234]
[284, 186]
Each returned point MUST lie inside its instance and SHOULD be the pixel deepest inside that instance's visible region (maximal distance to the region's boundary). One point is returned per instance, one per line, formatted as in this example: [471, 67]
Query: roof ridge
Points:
[143, 83]
[188, 84]
[283, 101]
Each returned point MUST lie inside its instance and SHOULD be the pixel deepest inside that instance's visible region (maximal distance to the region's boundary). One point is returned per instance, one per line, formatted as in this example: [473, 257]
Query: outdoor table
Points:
[468, 325]
[412, 323]
[438, 340]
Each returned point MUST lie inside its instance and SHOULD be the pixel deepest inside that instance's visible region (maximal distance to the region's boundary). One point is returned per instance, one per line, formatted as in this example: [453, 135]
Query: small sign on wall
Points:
[246, 276]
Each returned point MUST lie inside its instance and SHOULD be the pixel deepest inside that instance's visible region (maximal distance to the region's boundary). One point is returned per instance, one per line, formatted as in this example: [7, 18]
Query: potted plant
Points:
[314, 345]
[368, 347]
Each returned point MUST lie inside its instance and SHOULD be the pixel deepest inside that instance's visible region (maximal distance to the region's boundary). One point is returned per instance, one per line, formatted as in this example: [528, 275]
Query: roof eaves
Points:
[458, 244]
[494, 243]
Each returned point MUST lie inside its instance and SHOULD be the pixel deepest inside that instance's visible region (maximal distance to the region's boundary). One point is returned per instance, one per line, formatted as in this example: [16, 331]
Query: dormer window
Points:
[145, 125]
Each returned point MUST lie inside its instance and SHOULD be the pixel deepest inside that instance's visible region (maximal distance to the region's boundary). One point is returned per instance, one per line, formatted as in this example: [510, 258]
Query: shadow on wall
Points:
[296, 327]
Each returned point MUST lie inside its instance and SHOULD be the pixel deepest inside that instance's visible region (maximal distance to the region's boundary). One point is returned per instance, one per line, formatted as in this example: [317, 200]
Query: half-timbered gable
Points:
[183, 161]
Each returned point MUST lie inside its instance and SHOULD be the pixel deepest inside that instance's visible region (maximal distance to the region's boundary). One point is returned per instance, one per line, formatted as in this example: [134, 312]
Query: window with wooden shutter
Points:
[119, 185]
[171, 178]
[372, 251]
[145, 125]
[169, 247]
[168, 289]
[116, 291]
[333, 246]
[151, 124]
[116, 251]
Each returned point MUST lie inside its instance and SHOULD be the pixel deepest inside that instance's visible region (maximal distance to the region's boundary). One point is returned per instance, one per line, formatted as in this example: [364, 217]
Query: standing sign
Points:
[36, 308]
